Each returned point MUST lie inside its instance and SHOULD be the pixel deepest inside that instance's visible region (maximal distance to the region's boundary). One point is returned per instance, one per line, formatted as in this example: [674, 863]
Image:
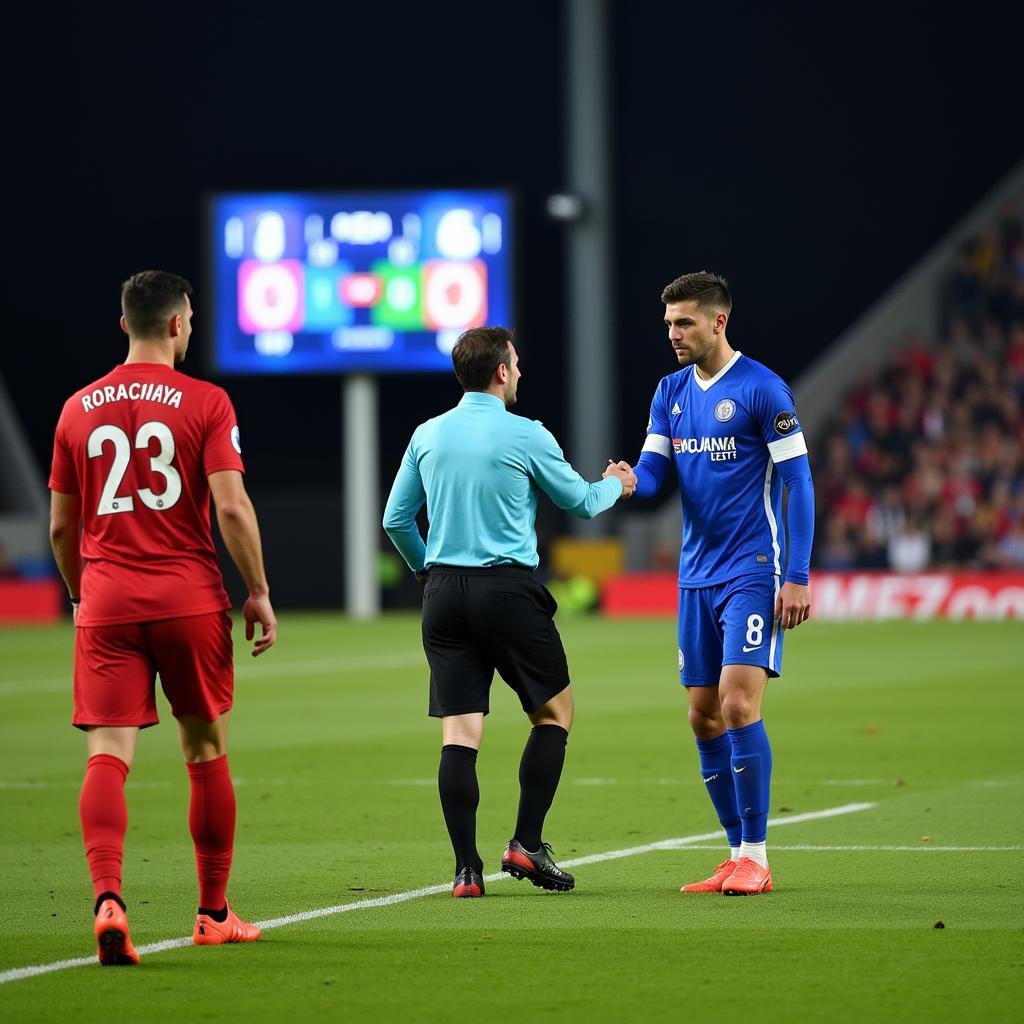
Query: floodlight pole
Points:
[360, 493]
[591, 351]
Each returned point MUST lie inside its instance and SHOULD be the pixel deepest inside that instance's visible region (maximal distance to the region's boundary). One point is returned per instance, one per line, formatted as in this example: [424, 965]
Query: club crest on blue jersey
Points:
[725, 410]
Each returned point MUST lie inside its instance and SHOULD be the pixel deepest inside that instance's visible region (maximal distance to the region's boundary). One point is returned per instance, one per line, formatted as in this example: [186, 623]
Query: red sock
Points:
[211, 819]
[104, 817]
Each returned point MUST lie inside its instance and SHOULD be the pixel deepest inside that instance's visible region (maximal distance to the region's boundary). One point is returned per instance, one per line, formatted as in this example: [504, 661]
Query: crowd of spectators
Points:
[923, 468]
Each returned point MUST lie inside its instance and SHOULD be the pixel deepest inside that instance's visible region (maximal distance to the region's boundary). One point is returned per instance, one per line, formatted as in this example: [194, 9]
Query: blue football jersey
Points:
[725, 436]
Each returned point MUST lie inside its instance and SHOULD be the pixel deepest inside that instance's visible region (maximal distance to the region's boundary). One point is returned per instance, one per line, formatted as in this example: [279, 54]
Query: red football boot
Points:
[113, 942]
[749, 879]
[714, 883]
[208, 932]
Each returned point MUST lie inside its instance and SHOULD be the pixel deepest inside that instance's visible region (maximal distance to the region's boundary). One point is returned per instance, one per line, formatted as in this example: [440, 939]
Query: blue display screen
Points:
[368, 282]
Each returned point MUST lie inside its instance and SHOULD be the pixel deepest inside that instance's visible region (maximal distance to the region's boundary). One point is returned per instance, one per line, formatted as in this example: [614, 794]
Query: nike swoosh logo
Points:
[738, 770]
[747, 650]
[710, 778]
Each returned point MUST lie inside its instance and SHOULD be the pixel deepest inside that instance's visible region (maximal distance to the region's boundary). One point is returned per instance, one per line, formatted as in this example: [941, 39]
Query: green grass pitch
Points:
[335, 763]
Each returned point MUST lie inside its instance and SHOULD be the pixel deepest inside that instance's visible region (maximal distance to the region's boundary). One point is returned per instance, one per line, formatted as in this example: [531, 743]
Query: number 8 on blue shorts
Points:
[730, 624]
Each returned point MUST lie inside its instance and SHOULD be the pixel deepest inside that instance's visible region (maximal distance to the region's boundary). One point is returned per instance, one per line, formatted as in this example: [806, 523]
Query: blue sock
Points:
[752, 776]
[717, 776]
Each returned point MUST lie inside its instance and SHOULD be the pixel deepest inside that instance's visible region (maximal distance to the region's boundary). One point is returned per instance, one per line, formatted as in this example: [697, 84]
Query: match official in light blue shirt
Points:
[478, 468]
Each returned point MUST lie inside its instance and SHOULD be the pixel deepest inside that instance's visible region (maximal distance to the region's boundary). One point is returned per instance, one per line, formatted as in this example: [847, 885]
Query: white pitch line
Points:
[18, 973]
[923, 848]
[686, 841]
[858, 782]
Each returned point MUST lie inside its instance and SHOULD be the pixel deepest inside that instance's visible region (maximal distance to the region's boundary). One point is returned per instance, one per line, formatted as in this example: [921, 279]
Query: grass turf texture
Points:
[335, 763]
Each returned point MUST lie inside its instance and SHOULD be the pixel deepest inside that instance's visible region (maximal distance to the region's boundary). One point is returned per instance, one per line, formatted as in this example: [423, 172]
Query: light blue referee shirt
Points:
[478, 468]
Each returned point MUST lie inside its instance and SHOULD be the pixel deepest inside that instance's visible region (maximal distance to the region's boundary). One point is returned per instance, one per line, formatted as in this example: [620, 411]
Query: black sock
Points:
[220, 916]
[460, 795]
[103, 896]
[539, 772]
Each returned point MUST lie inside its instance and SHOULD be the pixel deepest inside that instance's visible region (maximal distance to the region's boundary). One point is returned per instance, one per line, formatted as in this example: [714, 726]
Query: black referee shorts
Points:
[476, 620]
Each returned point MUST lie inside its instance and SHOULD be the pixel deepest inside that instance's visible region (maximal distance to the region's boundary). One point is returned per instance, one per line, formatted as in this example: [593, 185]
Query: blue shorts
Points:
[731, 624]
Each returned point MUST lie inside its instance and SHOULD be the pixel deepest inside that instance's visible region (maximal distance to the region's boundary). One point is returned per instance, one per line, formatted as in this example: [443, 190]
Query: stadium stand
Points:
[24, 500]
[28, 590]
[923, 467]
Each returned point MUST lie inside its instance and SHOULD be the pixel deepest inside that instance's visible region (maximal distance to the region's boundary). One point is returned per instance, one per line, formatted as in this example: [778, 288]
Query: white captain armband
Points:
[662, 445]
[788, 447]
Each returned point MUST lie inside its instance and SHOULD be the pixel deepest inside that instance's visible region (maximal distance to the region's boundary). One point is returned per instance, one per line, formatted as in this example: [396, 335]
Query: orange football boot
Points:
[113, 942]
[208, 932]
[714, 883]
[749, 879]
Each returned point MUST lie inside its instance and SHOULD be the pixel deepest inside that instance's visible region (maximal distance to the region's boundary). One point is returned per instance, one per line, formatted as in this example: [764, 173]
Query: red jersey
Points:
[138, 445]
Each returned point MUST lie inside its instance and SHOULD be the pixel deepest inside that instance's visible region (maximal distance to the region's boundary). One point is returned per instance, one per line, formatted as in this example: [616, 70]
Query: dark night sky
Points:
[809, 152]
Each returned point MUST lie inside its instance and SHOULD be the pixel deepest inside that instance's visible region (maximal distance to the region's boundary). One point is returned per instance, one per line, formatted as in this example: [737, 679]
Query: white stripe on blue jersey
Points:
[773, 647]
[658, 443]
[724, 436]
[773, 523]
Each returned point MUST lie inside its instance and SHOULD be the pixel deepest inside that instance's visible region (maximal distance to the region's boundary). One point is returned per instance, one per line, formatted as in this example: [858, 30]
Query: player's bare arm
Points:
[65, 518]
[236, 518]
[793, 605]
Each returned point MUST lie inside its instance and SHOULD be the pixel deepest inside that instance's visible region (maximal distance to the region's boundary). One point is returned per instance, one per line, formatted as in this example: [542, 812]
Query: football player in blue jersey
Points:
[729, 426]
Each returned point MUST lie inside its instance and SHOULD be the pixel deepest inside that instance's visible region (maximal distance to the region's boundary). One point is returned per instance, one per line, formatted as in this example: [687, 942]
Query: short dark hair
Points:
[711, 291]
[149, 298]
[477, 353]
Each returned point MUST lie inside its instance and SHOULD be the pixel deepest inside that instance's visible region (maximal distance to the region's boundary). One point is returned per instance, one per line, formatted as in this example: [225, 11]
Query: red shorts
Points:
[116, 668]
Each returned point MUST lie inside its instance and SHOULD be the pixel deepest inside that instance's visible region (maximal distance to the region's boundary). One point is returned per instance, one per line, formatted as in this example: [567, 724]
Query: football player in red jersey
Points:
[136, 456]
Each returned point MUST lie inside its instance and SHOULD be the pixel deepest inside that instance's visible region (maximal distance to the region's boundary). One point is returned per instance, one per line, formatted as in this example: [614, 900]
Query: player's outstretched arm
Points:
[650, 472]
[237, 521]
[65, 519]
[564, 486]
[656, 454]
